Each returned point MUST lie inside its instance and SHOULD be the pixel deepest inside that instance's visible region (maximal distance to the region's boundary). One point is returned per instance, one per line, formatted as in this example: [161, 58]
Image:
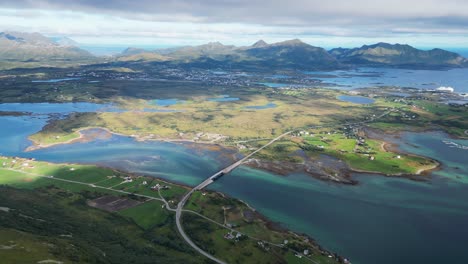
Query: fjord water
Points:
[371, 77]
[381, 220]
[356, 99]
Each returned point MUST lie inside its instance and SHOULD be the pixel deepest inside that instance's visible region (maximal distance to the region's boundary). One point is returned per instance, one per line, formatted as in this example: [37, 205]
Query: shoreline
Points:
[37, 146]
[272, 226]
[269, 166]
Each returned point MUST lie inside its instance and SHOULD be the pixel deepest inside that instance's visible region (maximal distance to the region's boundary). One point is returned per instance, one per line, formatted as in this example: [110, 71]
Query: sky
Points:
[326, 23]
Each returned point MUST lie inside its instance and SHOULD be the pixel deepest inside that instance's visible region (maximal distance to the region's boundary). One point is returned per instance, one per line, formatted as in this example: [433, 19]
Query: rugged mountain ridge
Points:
[287, 54]
[34, 47]
[299, 55]
[19, 49]
[398, 55]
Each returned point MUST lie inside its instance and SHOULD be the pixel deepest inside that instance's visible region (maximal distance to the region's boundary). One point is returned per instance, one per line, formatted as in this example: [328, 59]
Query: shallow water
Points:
[223, 98]
[54, 108]
[381, 220]
[166, 102]
[356, 99]
[261, 107]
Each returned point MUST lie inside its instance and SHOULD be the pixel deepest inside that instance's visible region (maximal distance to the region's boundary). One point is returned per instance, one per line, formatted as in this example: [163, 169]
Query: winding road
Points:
[228, 169]
[204, 184]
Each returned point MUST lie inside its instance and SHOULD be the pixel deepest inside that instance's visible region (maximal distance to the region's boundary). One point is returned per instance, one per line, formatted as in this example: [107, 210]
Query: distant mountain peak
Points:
[260, 44]
[9, 36]
[133, 51]
[214, 44]
[398, 55]
[64, 41]
[292, 42]
[23, 47]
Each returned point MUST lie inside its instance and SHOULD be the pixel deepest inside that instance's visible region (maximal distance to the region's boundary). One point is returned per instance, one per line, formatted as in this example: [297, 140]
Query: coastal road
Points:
[227, 170]
[87, 184]
[204, 184]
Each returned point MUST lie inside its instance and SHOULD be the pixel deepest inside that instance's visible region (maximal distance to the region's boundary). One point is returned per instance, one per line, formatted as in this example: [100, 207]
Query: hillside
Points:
[398, 55]
[16, 48]
[292, 54]
[33, 50]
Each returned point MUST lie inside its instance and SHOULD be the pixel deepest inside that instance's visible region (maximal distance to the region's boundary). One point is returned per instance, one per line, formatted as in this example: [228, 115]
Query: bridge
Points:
[227, 170]
[203, 185]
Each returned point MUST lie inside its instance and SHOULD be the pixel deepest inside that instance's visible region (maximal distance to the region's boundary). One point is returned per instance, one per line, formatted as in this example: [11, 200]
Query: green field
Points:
[45, 211]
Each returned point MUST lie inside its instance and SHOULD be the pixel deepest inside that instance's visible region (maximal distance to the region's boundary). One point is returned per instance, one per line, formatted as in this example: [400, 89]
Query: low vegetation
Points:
[46, 209]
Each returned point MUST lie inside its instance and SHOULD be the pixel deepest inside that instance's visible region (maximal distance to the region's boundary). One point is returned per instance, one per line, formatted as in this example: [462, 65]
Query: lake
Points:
[57, 108]
[381, 220]
[356, 99]
[166, 102]
[223, 98]
[261, 107]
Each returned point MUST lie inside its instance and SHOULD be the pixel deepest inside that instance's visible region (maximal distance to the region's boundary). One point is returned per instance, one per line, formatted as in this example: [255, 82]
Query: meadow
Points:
[46, 209]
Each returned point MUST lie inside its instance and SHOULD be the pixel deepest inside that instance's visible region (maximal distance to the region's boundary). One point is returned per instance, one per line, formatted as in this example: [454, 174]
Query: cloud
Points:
[265, 12]
[227, 19]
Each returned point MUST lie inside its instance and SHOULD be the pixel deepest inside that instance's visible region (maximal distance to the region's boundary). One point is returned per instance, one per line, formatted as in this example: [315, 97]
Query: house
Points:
[229, 236]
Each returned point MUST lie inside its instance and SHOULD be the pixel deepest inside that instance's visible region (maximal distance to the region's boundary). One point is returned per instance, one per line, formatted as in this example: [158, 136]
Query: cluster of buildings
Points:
[233, 235]
[23, 163]
[158, 187]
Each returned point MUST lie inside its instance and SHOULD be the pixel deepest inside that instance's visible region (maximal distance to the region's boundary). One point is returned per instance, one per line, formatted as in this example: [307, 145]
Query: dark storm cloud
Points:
[387, 16]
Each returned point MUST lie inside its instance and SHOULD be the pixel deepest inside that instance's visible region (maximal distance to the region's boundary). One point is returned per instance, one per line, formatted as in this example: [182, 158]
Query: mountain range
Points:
[292, 54]
[299, 55]
[398, 55]
[21, 47]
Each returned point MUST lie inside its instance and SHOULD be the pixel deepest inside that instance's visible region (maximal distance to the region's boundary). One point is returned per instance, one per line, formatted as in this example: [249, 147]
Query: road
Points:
[87, 184]
[201, 186]
[228, 169]
[204, 184]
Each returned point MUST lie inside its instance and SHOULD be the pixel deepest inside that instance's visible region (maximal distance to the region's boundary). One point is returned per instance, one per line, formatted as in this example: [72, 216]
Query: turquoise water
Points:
[261, 107]
[166, 102]
[223, 98]
[381, 220]
[356, 99]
